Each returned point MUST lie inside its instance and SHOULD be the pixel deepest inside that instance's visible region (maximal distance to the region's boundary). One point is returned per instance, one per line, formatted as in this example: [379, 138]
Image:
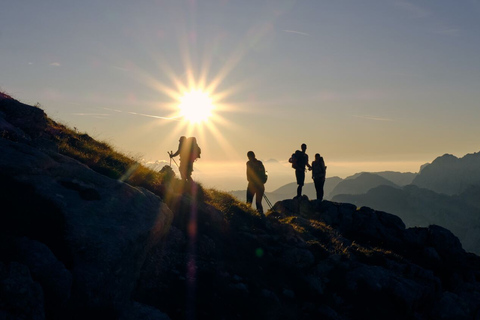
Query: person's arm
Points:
[176, 153]
[308, 165]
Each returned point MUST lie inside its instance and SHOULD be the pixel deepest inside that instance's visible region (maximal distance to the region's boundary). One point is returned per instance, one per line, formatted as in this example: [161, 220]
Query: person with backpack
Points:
[256, 177]
[189, 151]
[299, 161]
[319, 171]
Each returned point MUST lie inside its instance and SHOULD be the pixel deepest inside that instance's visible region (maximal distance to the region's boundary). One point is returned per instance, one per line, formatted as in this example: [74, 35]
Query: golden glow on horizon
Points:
[196, 106]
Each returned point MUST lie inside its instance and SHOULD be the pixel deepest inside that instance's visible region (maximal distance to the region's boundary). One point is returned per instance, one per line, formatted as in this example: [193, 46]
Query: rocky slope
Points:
[76, 244]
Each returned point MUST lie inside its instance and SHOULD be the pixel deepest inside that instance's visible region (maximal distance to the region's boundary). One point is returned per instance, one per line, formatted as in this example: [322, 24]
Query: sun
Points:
[196, 106]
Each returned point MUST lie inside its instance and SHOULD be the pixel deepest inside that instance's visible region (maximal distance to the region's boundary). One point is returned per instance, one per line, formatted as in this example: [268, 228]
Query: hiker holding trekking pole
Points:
[189, 151]
[256, 177]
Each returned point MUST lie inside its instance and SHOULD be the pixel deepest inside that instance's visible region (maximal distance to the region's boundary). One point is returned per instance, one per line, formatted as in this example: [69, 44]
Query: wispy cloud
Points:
[446, 31]
[153, 116]
[55, 64]
[366, 94]
[120, 68]
[144, 115]
[90, 114]
[297, 32]
[413, 10]
[372, 118]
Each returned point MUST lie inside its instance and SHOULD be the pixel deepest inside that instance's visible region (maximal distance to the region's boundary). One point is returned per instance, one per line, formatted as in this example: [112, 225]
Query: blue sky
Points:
[362, 82]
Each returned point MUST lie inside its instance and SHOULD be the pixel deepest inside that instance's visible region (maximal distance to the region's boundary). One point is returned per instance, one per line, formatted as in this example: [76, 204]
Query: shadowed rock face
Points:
[97, 228]
[76, 244]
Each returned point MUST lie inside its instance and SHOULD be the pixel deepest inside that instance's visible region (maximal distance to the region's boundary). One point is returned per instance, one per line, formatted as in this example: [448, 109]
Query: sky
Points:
[370, 85]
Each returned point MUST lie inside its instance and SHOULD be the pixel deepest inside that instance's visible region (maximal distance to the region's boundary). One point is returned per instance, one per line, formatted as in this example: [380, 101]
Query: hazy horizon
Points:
[371, 86]
[230, 176]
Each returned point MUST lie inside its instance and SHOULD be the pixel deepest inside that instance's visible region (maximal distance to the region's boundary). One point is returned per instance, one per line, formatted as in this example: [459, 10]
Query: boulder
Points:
[20, 296]
[108, 226]
[51, 274]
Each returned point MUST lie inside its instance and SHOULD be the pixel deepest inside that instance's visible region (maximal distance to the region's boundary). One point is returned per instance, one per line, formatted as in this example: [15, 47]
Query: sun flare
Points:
[196, 106]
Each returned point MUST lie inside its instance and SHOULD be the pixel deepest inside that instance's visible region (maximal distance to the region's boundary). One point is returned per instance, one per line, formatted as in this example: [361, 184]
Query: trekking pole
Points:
[267, 200]
[173, 161]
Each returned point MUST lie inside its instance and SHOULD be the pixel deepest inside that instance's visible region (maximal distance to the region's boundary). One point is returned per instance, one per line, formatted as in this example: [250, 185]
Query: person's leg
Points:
[183, 170]
[300, 175]
[316, 182]
[259, 197]
[189, 171]
[320, 193]
[249, 193]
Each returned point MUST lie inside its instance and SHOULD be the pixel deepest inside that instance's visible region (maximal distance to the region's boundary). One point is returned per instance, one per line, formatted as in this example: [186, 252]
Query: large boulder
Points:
[20, 296]
[100, 228]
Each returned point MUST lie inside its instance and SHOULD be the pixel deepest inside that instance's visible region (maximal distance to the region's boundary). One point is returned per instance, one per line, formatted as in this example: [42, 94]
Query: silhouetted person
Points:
[256, 177]
[319, 171]
[299, 161]
[189, 151]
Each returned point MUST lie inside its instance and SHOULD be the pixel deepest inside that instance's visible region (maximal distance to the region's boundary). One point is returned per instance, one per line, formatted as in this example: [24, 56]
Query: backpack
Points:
[297, 160]
[192, 149]
[319, 169]
[259, 171]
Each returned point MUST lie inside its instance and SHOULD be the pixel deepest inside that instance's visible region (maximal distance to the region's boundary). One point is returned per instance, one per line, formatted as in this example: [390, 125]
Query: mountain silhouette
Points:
[422, 207]
[86, 232]
[360, 183]
[399, 178]
[449, 174]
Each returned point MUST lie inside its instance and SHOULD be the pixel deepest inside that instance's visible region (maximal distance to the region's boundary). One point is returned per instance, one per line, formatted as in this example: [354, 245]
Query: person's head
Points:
[304, 147]
[250, 155]
[317, 156]
[182, 138]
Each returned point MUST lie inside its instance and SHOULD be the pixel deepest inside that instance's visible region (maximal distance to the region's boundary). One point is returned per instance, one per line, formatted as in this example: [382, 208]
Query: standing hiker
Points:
[256, 177]
[189, 151]
[299, 161]
[319, 170]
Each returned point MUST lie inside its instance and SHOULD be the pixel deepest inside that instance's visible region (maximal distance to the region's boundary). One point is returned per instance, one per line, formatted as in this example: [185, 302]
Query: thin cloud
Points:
[93, 115]
[373, 118]
[120, 68]
[152, 116]
[90, 114]
[55, 64]
[144, 115]
[453, 32]
[414, 10]
[297, 32]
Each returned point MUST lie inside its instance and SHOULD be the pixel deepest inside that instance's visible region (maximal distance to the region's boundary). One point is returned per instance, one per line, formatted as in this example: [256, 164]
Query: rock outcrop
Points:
[81, 236]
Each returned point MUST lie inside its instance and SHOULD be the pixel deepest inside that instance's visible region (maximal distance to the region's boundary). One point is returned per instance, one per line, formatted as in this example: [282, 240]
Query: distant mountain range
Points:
[445, 192]
[449, 174]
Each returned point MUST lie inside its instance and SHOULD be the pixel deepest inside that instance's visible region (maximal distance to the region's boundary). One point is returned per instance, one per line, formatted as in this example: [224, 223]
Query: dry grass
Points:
[102, 158]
